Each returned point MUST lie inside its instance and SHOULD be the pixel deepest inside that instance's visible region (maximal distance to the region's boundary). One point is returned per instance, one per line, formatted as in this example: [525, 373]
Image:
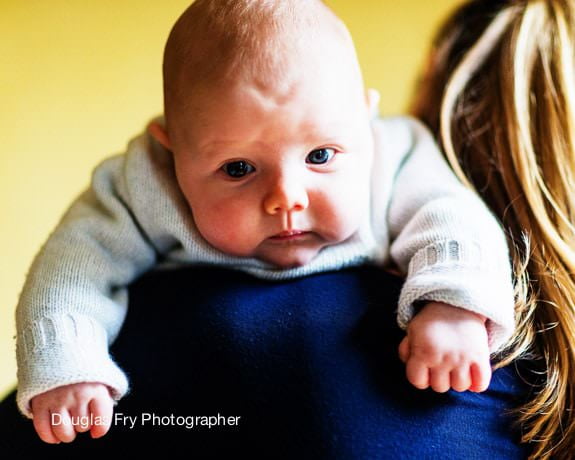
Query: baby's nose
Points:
[286, 196]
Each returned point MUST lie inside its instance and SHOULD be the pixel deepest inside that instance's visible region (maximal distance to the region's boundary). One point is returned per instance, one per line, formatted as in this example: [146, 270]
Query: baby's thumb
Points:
[404, 349]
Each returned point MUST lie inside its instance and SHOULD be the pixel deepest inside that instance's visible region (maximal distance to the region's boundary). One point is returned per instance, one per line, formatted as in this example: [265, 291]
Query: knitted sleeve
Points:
[444, 238]
[74, 298]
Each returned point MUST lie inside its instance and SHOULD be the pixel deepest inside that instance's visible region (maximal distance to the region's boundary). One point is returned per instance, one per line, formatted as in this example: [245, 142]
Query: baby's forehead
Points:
[216, 38]
[254, 40]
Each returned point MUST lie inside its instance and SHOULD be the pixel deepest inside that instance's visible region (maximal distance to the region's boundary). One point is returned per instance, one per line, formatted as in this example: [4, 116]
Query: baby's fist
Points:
[62, 412]
[446, 347]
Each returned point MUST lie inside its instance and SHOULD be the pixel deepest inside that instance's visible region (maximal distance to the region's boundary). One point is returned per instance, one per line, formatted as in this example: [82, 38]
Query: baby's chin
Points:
[289, 257]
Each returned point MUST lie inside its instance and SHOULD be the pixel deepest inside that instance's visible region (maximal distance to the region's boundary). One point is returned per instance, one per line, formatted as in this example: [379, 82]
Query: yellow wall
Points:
[78, 78]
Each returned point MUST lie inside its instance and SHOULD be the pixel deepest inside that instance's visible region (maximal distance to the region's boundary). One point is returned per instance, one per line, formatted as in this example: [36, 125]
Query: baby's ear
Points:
[158, 132]
[372, 98]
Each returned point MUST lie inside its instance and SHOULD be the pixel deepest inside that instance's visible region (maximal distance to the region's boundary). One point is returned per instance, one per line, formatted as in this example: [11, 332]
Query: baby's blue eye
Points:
[320, 156]
[237, 169]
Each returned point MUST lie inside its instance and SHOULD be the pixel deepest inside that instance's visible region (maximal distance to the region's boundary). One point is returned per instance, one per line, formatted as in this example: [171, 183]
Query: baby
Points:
[270, 160]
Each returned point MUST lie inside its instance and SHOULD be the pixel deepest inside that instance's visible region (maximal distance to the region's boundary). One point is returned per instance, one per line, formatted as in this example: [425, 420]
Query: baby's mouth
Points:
[287, 235]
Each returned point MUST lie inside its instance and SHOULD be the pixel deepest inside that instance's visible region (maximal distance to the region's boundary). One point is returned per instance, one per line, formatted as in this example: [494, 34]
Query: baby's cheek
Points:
[227, 228]
[348, 201]
[340, 211]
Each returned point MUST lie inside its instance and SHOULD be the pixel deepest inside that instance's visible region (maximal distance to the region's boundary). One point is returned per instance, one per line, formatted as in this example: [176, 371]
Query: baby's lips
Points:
[288, 233]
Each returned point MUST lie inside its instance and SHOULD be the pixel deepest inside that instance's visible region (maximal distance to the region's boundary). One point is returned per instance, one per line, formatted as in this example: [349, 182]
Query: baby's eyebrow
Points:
[332, 133]
[228, 146]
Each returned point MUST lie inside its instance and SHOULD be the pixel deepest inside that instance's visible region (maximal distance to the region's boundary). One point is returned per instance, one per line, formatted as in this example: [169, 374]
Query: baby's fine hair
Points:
[500, 97]
[219, 40]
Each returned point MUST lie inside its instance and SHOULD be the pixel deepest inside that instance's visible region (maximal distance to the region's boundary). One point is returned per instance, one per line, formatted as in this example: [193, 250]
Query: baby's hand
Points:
[446, 347]
[63, 411]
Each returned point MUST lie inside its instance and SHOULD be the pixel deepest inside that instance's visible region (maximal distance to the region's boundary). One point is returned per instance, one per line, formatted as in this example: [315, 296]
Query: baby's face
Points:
[276, 173]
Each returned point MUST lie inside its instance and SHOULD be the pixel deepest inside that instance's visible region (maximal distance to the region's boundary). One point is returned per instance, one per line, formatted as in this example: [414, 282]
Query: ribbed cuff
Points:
[454, 273]
[60, 351]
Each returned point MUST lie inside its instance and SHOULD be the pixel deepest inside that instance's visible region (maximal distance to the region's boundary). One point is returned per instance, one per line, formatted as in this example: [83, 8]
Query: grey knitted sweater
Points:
[133, 218]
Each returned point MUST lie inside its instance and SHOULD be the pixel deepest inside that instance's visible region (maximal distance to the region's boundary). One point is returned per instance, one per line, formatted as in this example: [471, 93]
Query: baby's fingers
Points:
[461, 378]
[417, 374]
[480, 376]
[404, 349]
[439, 379]
[43, 426]
[82, 418]
[62, 425]
[102, 408]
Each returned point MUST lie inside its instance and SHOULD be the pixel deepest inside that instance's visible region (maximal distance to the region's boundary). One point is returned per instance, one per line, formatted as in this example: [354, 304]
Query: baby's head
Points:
[269, 123]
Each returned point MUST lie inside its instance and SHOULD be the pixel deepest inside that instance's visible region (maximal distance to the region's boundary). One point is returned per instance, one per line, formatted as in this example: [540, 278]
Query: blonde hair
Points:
[505, 73]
